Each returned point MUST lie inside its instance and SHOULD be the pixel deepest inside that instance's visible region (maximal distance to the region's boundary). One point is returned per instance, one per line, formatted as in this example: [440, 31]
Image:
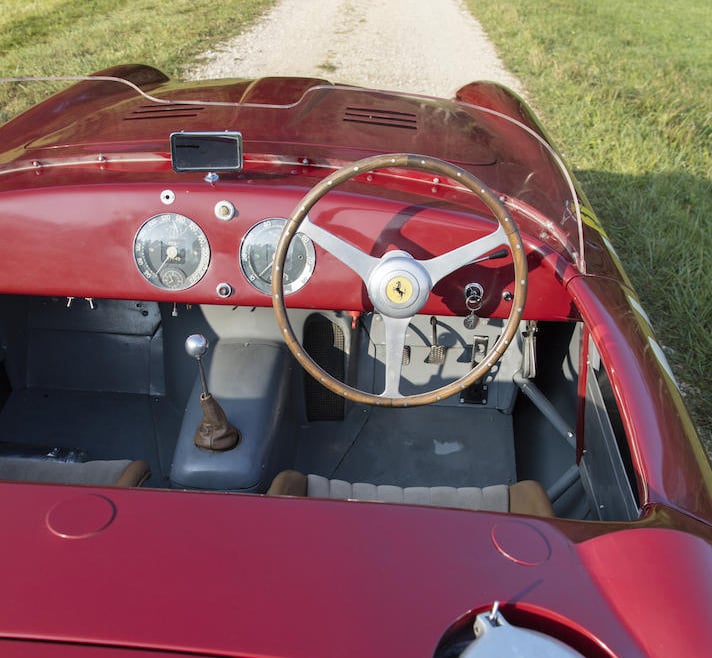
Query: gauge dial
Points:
[257, 255]
[171, 251]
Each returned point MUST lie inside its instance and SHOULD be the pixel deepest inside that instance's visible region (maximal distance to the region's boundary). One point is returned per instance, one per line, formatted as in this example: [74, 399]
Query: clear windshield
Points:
[531, 178]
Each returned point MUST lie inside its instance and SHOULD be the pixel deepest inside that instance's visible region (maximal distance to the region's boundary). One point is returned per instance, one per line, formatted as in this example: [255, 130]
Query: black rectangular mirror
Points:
[206, 151]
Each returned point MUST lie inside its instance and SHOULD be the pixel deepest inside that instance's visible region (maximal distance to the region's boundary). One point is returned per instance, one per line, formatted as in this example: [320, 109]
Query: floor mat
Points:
[424, 446]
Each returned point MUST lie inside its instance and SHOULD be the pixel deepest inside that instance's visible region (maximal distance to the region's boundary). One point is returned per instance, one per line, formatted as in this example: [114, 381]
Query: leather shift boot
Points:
[214, 432]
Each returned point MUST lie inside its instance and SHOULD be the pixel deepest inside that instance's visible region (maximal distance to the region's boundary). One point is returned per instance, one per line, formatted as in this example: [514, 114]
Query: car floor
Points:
[424, 446]
[104, 425]
[428, 446]
[114, 382]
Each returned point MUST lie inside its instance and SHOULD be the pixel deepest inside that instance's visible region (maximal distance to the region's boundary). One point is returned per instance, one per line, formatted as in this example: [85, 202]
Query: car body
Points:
[137, 211]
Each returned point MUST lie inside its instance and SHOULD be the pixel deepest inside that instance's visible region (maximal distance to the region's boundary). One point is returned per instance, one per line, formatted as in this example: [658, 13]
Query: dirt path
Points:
[421, 46]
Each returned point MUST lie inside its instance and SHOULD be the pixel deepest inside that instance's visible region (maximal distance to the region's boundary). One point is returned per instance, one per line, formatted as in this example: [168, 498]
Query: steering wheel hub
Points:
[398, 286]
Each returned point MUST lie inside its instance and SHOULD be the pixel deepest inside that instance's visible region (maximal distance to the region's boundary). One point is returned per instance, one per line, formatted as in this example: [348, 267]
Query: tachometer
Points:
[257, 253]
[171, 251]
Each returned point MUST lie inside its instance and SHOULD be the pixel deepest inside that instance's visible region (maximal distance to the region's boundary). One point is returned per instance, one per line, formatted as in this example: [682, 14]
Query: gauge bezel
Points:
[150, 230]
[262, 284]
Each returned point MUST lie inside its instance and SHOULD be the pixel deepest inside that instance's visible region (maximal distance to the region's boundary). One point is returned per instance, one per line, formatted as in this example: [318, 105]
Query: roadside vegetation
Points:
[77, 37]
[622, 87]
[624, 90]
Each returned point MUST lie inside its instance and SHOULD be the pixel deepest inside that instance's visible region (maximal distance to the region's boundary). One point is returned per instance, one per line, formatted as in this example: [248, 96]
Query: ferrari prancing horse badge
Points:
[399, 290]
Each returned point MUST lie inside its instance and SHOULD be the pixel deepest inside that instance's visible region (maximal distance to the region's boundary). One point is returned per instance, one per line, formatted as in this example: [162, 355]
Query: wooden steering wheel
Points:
[398, 285]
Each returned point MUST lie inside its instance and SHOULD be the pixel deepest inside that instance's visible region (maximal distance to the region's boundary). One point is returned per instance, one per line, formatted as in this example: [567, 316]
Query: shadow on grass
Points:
[661, 226]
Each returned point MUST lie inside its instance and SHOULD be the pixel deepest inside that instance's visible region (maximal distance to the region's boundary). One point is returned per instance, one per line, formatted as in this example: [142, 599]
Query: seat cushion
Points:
[491, 499]
[117, 472]
[526, 497]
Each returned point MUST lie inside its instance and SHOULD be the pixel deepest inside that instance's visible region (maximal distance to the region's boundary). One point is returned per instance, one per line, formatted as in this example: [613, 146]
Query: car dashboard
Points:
[190, 241]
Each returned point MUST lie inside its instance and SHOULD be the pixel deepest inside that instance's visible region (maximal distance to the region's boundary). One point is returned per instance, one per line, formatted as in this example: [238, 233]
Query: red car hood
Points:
[246, 575]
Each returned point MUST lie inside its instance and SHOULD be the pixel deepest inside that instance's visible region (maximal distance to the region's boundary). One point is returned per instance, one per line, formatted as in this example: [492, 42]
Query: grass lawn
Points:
[625, 89]
[76, 37]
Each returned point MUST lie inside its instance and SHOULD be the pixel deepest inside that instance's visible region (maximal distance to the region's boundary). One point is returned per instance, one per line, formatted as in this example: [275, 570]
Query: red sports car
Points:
[302, 370]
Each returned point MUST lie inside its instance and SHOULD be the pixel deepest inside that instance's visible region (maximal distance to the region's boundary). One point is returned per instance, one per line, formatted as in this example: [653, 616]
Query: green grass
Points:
[77, 37]
[624, 88]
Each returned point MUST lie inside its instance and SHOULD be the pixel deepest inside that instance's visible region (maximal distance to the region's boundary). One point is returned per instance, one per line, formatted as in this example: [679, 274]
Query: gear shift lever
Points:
[214, 432]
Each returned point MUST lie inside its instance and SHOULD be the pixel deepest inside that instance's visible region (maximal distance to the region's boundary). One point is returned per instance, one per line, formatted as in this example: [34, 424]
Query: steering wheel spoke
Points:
[395, 329]
[440, 266]
[349, 255]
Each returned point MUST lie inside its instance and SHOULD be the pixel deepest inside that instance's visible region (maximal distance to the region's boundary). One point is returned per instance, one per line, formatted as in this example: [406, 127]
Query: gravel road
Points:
[422, 46]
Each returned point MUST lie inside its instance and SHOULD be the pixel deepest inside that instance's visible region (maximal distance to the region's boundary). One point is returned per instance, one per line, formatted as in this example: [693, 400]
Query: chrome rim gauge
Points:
[257, 255]
[171, 251]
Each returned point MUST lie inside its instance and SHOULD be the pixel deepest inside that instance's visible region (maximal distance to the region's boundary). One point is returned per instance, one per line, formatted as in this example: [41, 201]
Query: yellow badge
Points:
[399, 290]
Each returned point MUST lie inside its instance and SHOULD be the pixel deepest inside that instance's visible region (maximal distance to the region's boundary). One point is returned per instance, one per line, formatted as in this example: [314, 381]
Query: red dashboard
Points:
[83, 241]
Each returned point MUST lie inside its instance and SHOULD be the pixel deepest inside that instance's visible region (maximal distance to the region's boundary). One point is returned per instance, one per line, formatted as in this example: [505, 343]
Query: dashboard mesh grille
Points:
[325, 343]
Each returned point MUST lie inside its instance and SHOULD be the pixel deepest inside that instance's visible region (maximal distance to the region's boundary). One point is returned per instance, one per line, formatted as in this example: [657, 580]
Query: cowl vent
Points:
[164, 112]
[389, 118]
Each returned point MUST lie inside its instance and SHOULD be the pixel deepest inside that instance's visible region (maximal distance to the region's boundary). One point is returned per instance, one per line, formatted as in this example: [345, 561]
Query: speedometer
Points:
[257, 255]
[171, 251]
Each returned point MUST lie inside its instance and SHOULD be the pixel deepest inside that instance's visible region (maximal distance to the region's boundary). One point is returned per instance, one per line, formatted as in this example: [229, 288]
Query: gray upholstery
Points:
[118, 472]
[490, 499]
[525, 497]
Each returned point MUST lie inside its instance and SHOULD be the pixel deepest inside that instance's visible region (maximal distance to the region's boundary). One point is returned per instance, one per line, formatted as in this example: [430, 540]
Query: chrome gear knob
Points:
[196, 345]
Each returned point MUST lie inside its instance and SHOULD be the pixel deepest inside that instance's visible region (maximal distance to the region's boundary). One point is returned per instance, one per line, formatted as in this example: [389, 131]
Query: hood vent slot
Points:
[164, 112]
[388, 118]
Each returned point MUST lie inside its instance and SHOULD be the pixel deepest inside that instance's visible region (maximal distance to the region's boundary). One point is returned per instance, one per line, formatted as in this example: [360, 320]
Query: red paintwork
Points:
[672, 466]
[251, 576]
[411, 573]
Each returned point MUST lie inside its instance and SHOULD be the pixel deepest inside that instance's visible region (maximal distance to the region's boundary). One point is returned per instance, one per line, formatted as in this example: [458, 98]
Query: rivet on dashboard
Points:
[168, 197]
[224, 210]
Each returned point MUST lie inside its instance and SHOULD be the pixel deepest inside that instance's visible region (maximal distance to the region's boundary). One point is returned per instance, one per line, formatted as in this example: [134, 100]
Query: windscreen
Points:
[318, 123]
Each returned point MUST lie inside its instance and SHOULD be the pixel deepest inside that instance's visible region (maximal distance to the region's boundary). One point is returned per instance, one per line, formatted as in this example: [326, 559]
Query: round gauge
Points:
[171, 251]
[257, 254]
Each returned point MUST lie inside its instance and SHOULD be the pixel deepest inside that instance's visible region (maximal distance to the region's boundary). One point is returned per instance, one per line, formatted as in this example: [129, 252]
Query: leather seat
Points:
[525, 497]
[102, 473]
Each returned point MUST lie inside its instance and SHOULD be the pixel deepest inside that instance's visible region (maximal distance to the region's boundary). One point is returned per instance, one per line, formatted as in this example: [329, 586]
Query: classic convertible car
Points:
[295, 369]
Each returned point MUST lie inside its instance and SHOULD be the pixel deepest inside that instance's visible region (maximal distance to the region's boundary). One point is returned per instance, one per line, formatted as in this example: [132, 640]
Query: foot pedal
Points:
[406, 355]
[479, 349]
[437, 352]
[478, 392]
